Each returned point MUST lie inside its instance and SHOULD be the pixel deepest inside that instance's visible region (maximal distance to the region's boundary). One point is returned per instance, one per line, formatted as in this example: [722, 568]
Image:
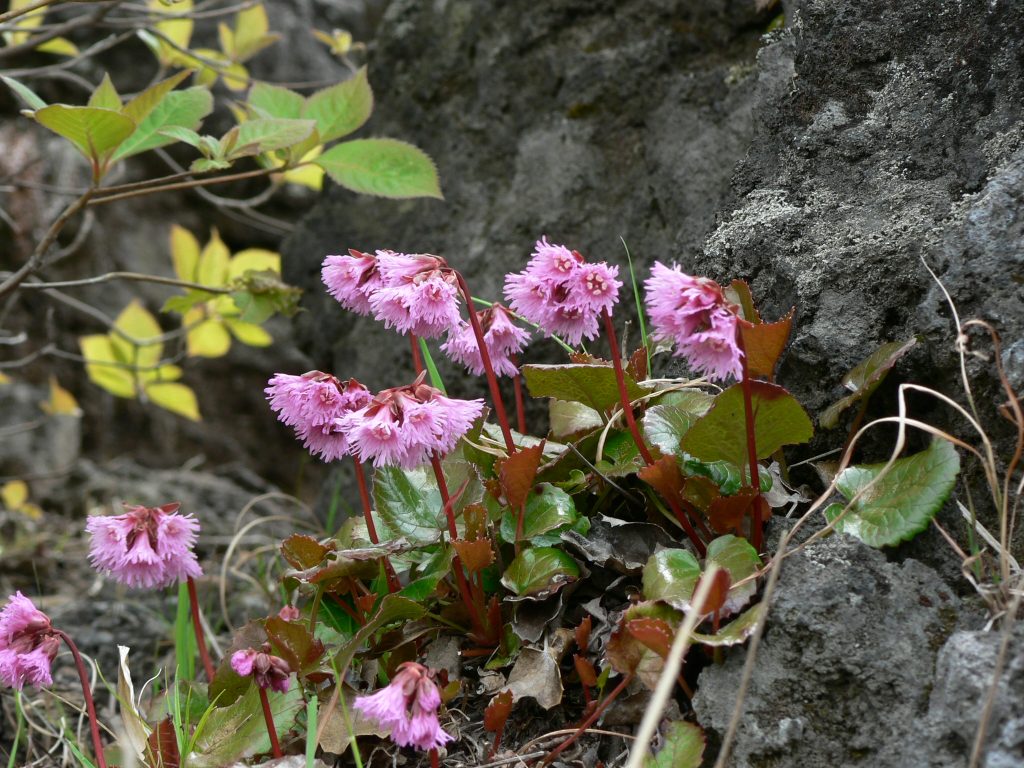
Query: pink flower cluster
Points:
[313, 404]
[146, 547]
[562, 293]
[412, 293]
[267, 670]
[504, 340]
[693, 313]
[28, 644]
[408, 707]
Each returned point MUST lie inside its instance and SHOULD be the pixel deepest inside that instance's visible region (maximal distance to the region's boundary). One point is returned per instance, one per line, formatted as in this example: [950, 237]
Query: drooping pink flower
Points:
[351, 279]
[404, 426]
[312, 404]
[267, 670]
[146, 547]
[693, 313]
[419, 294]
[28, 644]
[408, 708]
[562, 293]
[289, 613]
[504, 339]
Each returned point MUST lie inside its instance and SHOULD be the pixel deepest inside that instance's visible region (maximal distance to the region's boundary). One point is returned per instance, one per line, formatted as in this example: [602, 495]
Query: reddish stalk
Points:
[460, 576]
[90, 706]
[589, 721]
[645, 453]
[354, 614]
[756, 523]
[197, 625]
[485, 357]
[269, 717]
[417, 358]
[364, 496]
[434, 763]
[517, 387]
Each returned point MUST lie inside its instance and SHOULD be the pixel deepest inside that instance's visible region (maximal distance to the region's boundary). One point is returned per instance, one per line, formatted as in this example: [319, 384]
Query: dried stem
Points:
[598, 710]
[130, 276]
[197, 625]
[268, 716]
[90, 706]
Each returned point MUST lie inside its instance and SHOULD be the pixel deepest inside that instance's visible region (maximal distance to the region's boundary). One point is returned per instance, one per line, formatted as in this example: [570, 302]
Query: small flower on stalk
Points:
[312, 404]
[408, 707]
[562, 293]
[419, 294]
[289, 613]
[694, 313]
[146, 547]
[504, 339]
[404, 426]
[352, 279]
[267, 670]
[28, 644]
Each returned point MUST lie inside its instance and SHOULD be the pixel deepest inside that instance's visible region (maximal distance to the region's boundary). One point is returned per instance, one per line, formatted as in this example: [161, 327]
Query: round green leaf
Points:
[683, 747]
[540, 572]
[671, 575]
[740, 560]
[664, 425]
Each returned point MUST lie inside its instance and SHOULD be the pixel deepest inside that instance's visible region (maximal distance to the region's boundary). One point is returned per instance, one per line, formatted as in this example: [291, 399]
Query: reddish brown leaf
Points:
[700, 491]
[726, 513]
[764, 343]
[583, 634]
[656, 634]
[636, 366]
[517, 473]
[475, 555]
[586, 671]
[293, 642]
[664, 476]
[475, 517]
[497, 712]
[163, 746]
[716, 597]
[303, 552]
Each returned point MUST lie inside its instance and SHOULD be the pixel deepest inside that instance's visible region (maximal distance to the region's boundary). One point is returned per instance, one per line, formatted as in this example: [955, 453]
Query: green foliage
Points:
[683, 747]
[591, 385]
[381, 167]
[540, 572]
[865, 378]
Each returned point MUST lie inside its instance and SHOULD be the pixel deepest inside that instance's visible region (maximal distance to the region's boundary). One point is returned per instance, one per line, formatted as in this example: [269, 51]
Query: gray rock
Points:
[845, 667]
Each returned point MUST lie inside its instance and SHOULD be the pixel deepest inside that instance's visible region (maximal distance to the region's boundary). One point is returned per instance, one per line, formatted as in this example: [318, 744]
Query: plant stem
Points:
[756, 523]
[417, 358]
[485, 357]
[645, 453]
[90, 706]
[268, 716]
[589, 721]
[197, 624]
[517, 386]
[106, 197]
[434, 762]
[5, 17]
[132, 276]
[364, 496]
[315, 608]
[460, 576]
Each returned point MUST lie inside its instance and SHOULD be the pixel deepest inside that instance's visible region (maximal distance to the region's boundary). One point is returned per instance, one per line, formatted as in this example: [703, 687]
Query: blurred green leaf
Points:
[342, 108]
[177, 109]
[382, 167]
[25, 93]
[268, 134]
[95, 132]
[275, 101]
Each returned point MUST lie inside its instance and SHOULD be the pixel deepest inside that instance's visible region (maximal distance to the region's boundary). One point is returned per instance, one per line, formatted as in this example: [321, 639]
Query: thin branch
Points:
[98, 47]
[185, 185]
[131, 276]
[28, 9]
[72, 24]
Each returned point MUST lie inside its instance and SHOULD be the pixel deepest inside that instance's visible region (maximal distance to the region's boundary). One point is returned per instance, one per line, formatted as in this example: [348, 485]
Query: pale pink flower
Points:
[408, 708]
[693, 313]
[504, 340]
[351, 279]
[289, 613]
[146, 547]
[28, 644]
[312, 404]
[562, 293]
[419, 294]
[405, 426]
[267, 670]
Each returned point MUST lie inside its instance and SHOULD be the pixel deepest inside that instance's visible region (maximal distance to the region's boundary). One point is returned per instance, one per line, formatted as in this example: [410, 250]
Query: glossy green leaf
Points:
[342, 108]
[393, 608]
[665, 424]
[592, 385]
[547, 508]
[177, 109]
[671, 575]
[739, 559]
[94, 131]
[408, 505]
[735, 632]
[540, 572]
[238, 731]
[682, 747]
[865, 378]
[568, 419]
[382, 167]
[720, 435]
[902, 503]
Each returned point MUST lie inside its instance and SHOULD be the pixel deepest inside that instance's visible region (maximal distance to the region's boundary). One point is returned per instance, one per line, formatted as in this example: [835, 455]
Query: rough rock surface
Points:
[844, 668]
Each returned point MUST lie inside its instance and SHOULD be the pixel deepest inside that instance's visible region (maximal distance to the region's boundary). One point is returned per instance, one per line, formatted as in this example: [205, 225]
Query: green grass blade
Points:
[435, 377]
[639, 306]
[311, 726]
[184, 637]
[17, 729]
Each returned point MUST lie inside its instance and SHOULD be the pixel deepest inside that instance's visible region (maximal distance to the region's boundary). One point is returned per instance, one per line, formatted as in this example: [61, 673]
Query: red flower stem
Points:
[90, 705]
[485, 357]
[460, 577]
[434, 763]
[589, 721]
[417, 358]
[197, 625]
[756, 523]
[517, 386]
[645, 453]
[269, 717]
[354, 614]
[364, 496]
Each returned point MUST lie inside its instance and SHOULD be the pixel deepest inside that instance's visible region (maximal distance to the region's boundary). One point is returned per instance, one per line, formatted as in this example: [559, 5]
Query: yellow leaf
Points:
[227, 40]
[311, 176]
[176, 398]
[213, 263]
[14, 494]
[236, 77]
[223, 306]
[141, 327]
[208, 339]
[251, 33]
[60, 46]
[30, 510]
[249, 333]
[4, 378]
[256, 259]
[61, 402]
[27, 22]
[177, 30]
[184, 253]
[102, 366]
[168, 373]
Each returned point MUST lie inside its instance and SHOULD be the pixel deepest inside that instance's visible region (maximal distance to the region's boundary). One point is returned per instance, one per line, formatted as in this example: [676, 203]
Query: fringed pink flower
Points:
[408, 708]
[404, 426]
[562, 293]
[312, 404]
[419, 295]
[146, 547]
[267, 670]
[693, 313]
[504, 340]
[351, 279]
[28, 644]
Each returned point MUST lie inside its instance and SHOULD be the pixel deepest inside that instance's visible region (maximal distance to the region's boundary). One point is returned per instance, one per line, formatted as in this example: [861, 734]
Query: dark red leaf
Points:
[517, 473]
[656, 634]
[497, 712]
[475, 555]
[726, 513]
[163, 746]
[719, 592]
[586, 671]
[583, 634]
[664, 476]
[303, 552]
[293, 642]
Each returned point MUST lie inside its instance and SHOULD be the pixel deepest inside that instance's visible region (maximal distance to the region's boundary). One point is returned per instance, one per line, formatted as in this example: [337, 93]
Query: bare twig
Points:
[130, 276]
